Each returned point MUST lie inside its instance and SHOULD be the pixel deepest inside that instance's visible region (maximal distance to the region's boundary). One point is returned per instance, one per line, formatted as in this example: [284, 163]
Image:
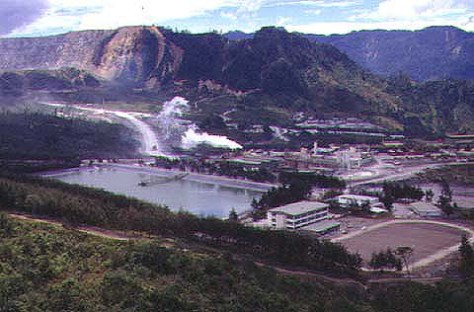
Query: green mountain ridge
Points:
[432, 53]
[269, 77]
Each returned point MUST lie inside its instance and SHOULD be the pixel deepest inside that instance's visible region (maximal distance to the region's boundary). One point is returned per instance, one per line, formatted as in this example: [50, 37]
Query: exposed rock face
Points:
[75, 49]
[128, 55]
[137, 54]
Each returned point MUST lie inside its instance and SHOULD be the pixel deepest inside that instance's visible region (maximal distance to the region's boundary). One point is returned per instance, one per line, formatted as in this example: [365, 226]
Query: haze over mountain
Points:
[264, 79]
[433, 53]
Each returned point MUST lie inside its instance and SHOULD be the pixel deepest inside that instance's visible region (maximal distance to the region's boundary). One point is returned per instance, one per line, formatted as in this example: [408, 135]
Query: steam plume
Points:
[173, 126]
[191, 139]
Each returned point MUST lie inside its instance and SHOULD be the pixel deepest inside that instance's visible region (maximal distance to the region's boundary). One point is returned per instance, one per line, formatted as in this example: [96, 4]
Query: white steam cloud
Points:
[190, 136]
[191, 139]
[173, 128]
[170, 116]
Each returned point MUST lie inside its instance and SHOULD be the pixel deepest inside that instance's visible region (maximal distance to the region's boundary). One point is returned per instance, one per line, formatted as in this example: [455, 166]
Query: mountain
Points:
[13, 83]
[433, 53]
[285, 66]
[264, 80]
[128, 55]
[275, 74]
[287, 73]
[238, 35]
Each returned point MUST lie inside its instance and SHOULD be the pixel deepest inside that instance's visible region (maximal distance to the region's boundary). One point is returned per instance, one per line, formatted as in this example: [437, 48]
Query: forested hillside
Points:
[79, 205]
[435, 106]
[31, 135]
[50, 268]
[433, 53]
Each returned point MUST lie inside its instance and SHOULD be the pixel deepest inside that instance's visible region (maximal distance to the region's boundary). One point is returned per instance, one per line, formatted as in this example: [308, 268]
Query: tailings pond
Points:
[191, 193]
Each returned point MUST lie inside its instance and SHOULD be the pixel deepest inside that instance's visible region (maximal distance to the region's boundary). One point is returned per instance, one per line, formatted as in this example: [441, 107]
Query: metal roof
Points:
[358, 197]
[425, 207]
[301, 207]
[321, 226]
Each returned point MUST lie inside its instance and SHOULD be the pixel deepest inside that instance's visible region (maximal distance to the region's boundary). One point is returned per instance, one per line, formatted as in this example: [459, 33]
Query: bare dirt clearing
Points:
[431, 240]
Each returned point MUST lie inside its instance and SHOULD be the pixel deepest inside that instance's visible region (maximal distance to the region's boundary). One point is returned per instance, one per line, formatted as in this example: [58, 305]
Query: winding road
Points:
[406, 173]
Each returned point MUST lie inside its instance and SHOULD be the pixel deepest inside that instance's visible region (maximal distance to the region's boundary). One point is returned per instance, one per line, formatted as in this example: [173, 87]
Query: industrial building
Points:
[349, 199]
[426, 209]
[297, 215]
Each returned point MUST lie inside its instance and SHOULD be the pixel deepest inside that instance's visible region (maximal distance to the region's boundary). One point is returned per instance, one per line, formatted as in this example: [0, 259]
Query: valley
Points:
[144, 168]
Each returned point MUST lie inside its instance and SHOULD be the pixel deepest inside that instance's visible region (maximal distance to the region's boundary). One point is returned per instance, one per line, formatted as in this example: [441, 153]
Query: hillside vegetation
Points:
[456, 175]
[15, 83]
[264, 79]
[45, 268]
[434, 107]
[48, 268]
[79, 205]
[30, 135]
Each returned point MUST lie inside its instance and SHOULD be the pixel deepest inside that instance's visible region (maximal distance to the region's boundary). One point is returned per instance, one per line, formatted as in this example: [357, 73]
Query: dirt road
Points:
[92, 230]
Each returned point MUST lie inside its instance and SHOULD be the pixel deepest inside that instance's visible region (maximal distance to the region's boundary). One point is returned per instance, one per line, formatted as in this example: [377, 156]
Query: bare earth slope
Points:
[129, 54]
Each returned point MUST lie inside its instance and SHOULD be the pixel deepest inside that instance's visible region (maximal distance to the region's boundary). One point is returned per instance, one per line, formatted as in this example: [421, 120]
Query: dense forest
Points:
[31, 135]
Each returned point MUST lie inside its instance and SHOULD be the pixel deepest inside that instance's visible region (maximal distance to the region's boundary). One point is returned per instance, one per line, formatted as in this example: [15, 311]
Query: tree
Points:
[387, 201]
[429, 195]
[446, 190]
[445, 205]
[444, 200]
[402, 191]
[254, 204]
[385, 259]
[233, 216]
[6, 226]
[365, 206]
[405, 253]
[467, 256]
[465, 248]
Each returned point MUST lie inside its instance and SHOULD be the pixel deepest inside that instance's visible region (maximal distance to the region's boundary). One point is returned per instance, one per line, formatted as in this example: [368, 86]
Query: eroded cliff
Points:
[132, 55]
